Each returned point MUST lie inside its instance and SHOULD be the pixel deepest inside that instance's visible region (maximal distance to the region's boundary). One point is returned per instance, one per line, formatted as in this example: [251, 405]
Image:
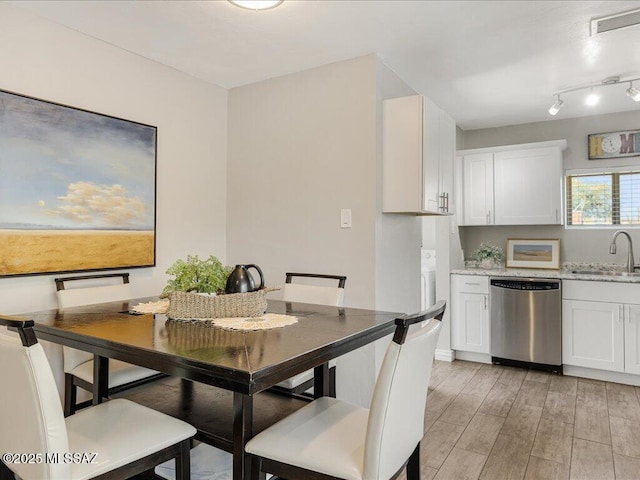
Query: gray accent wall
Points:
[576, 244]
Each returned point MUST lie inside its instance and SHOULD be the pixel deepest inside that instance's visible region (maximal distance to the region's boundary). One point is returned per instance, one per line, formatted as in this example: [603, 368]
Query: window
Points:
[603, 199]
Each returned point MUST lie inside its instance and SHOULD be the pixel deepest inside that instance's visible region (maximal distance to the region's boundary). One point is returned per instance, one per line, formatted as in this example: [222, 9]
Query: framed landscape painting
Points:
[522, 253]
[77, 189]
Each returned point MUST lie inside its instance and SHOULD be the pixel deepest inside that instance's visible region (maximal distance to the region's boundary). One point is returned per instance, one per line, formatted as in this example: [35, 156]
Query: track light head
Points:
[633, 92]
[555, 108]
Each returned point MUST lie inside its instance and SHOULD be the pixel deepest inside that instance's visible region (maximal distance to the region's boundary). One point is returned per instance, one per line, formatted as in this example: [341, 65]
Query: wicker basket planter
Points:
[184, 305]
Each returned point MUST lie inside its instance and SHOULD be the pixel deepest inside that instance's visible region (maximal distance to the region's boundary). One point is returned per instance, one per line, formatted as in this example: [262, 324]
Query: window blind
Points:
[611, 198]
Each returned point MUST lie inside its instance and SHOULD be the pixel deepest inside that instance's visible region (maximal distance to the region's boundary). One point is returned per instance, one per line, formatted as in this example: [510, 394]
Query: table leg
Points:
[242, 433]
[321, 380]
[100, 379]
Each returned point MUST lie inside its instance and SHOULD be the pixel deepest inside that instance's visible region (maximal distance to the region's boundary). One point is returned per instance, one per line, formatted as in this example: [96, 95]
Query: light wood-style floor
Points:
[491, 423]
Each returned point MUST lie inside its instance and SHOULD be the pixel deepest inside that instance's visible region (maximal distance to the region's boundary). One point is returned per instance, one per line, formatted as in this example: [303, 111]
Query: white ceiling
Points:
[487, 63]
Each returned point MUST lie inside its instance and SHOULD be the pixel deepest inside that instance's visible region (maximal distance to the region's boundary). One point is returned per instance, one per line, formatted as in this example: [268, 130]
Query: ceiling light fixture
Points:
[555, 108]
[633, 92]
[593, 98]
[256, 4]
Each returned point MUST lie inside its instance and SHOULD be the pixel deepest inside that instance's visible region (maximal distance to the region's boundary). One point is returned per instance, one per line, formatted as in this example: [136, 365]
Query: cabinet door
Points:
[528, 186]
[447, 155]
[593, 335]
[402, 154]
[431, 160]
[632, 339]
[477, 184]
[470, 323]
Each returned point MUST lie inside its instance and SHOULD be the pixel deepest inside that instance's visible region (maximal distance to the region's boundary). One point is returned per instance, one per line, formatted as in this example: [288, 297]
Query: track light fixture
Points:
[633, 92]
[555, 108]
[593, 98]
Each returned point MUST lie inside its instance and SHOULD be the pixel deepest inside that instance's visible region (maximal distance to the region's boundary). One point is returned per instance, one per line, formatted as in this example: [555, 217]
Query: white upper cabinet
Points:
[527, 185]
[513, 185]
[418, 147]
[478, 189]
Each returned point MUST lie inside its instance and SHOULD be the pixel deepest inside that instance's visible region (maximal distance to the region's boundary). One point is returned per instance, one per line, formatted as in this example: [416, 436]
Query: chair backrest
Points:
[318, 294]
[396, 417]
[30, 411]
[89, 295]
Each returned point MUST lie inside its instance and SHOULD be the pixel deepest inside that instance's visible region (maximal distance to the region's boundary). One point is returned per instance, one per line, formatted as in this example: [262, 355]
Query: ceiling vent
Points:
[614, 22]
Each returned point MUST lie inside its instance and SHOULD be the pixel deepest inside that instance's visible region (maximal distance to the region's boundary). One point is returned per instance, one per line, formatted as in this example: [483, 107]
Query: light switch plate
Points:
[345, 218]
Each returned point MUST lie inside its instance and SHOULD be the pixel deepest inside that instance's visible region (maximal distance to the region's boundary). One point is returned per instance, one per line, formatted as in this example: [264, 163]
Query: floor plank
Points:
[439, 441]
[560, 407]
[541, 469]
[622, 401]
[461, 465]
[591, 460]
[553, 441]
[481, 434]
[508, 459]
[625, 436]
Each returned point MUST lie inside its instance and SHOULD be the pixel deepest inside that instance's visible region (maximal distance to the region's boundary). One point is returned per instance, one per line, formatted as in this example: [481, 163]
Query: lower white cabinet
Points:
[632, 339]
[601, 334]
[470, 313]
[593, 335]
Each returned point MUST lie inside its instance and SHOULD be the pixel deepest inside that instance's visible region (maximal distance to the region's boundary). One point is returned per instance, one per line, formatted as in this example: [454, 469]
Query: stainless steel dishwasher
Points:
[526, 323]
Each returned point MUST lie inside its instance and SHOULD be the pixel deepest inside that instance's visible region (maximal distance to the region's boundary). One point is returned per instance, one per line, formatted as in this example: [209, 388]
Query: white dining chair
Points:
[79, 365]
[329, 438]
[113, 440]
[321, 295]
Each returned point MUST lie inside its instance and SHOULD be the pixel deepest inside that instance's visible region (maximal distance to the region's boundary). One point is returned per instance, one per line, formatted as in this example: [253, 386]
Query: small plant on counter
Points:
[195, 275]
[487, 252]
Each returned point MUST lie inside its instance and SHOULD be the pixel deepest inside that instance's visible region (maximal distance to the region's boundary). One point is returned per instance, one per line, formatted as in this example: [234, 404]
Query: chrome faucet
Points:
[612, 249]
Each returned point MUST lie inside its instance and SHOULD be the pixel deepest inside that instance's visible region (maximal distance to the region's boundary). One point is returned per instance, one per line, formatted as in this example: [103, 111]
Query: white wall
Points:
[301, 147]
[576, 245]
[47, 61]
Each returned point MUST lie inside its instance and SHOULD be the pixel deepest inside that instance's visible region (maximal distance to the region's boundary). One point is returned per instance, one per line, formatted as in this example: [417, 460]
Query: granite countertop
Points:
[610, 272]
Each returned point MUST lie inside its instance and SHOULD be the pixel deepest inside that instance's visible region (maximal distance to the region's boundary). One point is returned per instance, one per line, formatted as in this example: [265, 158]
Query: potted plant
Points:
[195, 275]
[488, 255]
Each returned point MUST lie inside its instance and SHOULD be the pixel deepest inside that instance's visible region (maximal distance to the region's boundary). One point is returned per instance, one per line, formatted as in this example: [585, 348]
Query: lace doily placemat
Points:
[263, 322]
[159, 307]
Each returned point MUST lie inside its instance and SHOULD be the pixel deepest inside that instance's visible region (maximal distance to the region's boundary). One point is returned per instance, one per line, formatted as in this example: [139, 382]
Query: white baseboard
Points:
[473, 356]
[595, 374]
[445, 355]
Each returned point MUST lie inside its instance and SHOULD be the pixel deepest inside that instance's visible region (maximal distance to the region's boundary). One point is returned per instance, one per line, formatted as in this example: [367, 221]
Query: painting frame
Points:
[78, 191]
[539, 253]
[619, 144]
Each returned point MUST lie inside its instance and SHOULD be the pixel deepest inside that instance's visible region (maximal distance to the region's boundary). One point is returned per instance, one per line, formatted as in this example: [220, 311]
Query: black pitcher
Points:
[241, 281]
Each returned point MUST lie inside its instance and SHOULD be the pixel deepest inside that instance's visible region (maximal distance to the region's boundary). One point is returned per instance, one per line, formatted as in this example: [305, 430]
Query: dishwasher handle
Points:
[528, 285]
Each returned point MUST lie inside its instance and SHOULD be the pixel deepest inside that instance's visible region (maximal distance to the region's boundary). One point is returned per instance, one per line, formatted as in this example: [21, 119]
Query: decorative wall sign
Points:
[614, 144]
[522, 253]
[77, 189]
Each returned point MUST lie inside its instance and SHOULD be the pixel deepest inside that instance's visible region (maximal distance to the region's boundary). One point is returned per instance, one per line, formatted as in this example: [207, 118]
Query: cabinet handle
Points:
[557, 217]
[488, 217]
[485, 302]
[446, 202]
[471, 283]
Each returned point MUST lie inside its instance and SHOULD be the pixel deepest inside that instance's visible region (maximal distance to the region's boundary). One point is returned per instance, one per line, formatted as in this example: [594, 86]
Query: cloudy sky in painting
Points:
[63, 168]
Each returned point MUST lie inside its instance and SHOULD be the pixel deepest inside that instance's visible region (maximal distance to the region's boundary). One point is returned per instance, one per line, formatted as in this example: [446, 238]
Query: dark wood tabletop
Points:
[241, 364]
[246, 362]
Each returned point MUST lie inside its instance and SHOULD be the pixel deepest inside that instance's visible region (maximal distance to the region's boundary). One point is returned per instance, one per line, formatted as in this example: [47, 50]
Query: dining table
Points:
[217, 379]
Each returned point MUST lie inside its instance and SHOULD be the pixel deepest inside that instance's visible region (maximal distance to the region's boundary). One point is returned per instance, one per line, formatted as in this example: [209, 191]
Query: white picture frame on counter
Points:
[533, 253]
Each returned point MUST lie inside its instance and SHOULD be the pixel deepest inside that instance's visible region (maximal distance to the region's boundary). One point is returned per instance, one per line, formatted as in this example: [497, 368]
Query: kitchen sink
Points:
[605, 273]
